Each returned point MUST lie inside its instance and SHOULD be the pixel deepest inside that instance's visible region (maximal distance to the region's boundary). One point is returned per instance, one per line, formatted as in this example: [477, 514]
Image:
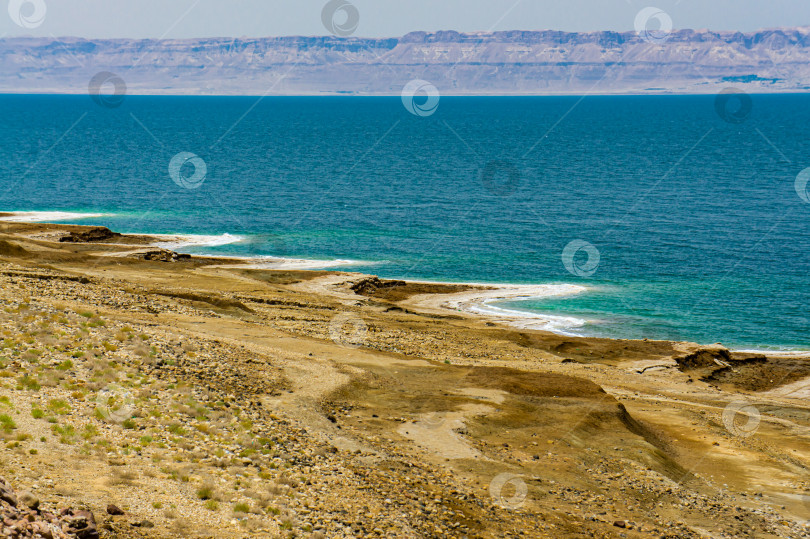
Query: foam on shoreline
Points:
[179, 241]
[563, 325]
[176, 242]
[277, 263]
[483, 303]
[48, 216]
[785, 354]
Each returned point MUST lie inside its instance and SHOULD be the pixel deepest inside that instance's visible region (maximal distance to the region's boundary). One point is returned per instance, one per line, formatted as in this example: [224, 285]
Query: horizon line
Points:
[429, 32]
[399, 95]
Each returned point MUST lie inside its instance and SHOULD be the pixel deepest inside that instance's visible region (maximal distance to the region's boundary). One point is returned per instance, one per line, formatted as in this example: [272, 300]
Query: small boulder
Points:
[7, 494]
[29, 500]
[114, 510]
[83, 525]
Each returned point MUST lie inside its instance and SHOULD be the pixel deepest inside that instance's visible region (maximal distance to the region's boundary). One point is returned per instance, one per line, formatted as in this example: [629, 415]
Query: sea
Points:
[682, 217]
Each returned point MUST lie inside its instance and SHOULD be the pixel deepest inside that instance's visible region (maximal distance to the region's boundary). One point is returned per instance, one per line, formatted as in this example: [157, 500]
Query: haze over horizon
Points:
[107, 19]
[519, 63]
[326, 34]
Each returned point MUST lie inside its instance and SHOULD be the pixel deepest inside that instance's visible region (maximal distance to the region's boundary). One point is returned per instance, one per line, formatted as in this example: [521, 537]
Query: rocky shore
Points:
[171, 396]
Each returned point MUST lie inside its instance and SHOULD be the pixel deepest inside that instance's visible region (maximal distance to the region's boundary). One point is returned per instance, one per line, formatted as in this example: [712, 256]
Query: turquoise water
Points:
[700, 232]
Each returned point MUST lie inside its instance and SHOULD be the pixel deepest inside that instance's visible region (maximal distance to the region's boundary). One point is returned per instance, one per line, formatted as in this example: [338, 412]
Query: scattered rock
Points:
[82, 524]
[114, 510]
[29, 520]
[29, 500]
[7, 493]
[164, 255]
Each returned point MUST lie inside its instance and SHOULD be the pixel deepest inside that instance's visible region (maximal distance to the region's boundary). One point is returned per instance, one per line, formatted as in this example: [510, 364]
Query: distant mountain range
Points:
[518, 62]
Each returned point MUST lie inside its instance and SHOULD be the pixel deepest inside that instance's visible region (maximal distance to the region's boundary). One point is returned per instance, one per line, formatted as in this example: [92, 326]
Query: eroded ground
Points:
[215, 401]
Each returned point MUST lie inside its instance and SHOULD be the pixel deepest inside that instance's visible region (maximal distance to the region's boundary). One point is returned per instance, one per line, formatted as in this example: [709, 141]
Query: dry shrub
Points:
[288, 481]
[64, 491]
[254, 524]
[181, 527]
[122, 477]
[51, 379]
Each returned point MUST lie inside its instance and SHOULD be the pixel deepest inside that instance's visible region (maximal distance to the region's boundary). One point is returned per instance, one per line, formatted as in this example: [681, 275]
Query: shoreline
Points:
[481, 303]
[375, 396]
[45, 216]
[625, 92]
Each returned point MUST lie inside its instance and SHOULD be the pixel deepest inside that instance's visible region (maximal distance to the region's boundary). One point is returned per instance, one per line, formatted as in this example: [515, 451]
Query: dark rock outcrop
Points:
[98, 233]
[708, 357]
[164, 255]
[367, 286]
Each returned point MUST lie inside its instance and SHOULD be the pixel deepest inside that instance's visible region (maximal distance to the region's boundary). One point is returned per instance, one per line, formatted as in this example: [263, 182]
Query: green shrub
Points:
[26, 382]
[205, 493]
[177, 429]
[90, 431]
[58, 406]
[241, 508]
[66, 433]
[7, 424]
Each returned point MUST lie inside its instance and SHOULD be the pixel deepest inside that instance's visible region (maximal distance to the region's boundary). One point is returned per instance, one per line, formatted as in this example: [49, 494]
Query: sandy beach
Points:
[217, 397]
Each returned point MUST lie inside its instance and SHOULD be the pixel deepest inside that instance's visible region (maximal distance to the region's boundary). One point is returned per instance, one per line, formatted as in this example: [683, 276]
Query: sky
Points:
[257, 18]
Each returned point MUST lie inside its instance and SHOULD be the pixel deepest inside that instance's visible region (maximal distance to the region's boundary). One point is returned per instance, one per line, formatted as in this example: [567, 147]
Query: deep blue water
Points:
[700, 230]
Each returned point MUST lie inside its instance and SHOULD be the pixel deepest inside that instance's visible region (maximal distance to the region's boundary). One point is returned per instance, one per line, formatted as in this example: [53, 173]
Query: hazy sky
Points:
[235, 18]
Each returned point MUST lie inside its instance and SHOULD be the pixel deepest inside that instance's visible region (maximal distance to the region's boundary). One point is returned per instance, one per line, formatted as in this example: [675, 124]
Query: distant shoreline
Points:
[471, 302]
[520, 62]
[475, 299]
[79, 94]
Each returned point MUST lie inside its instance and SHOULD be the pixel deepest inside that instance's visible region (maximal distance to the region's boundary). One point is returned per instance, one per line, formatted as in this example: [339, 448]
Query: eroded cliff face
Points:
[517, 62]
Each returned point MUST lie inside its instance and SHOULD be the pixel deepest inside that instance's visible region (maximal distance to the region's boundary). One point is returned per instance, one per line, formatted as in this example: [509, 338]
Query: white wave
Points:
[789, 354]
[48, 216]
[178, 241]
[482, 303]
[526, 320]
[299, 263]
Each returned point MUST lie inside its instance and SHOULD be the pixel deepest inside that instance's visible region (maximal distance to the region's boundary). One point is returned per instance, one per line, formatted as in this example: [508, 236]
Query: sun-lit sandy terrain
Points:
[205, 398]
